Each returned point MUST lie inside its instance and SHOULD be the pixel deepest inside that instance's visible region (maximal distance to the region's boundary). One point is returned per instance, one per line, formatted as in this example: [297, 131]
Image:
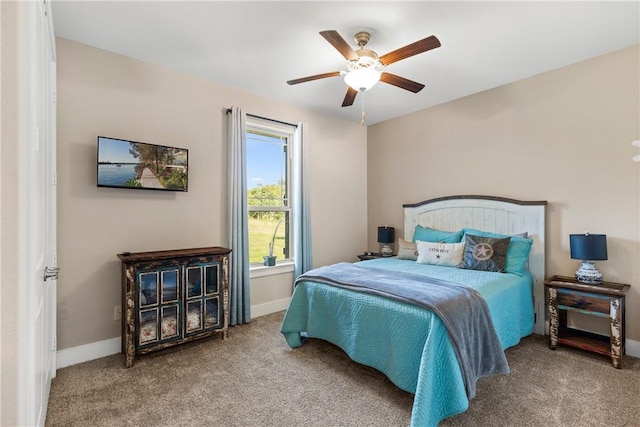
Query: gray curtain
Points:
[239, 282]
[302, 214]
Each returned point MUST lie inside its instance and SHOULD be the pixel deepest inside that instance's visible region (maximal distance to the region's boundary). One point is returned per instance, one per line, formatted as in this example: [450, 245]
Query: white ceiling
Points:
[258, 46]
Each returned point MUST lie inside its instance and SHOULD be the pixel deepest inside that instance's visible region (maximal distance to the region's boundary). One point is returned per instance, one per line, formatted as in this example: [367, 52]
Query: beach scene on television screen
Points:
[139, 165]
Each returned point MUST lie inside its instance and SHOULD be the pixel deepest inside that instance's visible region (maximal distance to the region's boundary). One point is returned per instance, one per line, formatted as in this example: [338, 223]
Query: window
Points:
[269, 183]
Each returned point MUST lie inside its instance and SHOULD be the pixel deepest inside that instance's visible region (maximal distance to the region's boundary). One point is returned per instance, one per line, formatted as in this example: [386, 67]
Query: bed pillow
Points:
[426, 234]
[518, 255]
[446, 254]
[517, 252]
[407, 250]
[484, 253]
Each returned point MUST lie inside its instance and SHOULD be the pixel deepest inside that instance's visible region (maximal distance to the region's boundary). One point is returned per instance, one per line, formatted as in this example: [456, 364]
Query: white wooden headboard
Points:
[493, 214]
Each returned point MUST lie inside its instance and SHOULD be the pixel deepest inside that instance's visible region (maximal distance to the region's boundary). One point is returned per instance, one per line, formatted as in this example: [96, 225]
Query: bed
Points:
[420, 346]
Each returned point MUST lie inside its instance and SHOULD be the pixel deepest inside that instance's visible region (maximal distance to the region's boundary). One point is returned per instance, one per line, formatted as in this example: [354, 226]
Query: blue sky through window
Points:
[265, 160]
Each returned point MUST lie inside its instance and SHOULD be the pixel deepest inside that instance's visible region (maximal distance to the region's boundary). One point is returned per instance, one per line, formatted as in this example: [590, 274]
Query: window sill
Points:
[279, 268]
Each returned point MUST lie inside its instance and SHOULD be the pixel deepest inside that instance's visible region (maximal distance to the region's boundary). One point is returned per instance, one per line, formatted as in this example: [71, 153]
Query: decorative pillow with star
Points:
[445, 254]
[517, 252]
[485, 253]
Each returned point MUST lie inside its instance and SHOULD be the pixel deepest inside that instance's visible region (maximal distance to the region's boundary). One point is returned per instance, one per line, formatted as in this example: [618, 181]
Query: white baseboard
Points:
[96, 350]
[632, 348]
[84, 353]
[270, 307]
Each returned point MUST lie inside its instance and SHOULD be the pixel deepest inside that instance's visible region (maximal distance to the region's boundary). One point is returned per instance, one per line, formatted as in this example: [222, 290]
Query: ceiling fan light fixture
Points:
[362, 79]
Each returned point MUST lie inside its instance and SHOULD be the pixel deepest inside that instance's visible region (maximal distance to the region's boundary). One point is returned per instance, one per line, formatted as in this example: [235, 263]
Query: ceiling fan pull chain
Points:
[362, 118]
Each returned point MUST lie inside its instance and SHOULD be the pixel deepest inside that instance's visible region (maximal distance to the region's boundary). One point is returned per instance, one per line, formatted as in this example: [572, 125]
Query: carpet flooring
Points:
[254, 379]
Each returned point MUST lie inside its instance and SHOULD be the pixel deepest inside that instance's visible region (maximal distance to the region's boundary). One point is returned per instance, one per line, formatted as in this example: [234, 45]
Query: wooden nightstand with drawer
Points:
[606, 300]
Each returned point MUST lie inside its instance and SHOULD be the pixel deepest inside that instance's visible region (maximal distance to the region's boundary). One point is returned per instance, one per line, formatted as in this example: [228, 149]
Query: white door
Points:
[40, 319]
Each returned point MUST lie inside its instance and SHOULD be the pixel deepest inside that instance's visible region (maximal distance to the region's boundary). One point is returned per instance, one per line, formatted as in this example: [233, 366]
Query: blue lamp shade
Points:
[588, 247]
[386, 235]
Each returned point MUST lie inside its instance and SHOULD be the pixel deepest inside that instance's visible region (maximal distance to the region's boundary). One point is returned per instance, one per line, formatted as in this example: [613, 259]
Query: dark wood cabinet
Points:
[606, 300]
[171, 297]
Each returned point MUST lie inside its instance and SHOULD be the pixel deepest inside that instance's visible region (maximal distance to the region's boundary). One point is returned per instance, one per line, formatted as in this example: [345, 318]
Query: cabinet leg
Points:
[553, 318]
[130, 331]
[129, 360]
[617, 362]
[616, 333]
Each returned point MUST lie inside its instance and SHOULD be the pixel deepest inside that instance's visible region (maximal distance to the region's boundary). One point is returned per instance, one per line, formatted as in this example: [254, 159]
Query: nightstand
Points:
[606, 300]
[369, 255]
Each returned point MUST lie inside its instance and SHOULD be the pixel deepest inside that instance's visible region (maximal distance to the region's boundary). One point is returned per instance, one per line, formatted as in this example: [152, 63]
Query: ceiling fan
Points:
[365, 65]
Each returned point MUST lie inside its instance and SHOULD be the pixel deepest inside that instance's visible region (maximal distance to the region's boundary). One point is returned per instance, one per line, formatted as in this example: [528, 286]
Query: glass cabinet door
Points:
[148, 289]
[212, 312]
[212, 278]
[202, 287]
[159, 295]
[212, 308]
[148, 312]
[170, 289]
[170, 322]
[148, 330]
[194, 315]
[194, 282]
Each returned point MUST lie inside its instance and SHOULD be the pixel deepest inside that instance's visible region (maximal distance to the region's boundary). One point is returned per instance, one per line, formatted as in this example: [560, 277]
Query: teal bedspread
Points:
[408, 343]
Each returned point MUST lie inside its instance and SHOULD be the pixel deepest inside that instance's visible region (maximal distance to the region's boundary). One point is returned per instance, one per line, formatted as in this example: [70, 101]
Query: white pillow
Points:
[446, 254]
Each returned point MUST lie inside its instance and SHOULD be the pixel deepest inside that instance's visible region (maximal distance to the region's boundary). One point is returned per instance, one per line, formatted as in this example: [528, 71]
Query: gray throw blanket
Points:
[463, 311]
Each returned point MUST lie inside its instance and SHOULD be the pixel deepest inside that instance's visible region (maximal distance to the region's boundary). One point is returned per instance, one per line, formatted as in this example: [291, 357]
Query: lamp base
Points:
[386, 250]
[588, 273]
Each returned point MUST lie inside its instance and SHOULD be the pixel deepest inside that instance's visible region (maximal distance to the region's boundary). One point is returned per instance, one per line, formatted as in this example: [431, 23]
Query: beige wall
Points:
[12, 143]
[562, 136]
[101, 93]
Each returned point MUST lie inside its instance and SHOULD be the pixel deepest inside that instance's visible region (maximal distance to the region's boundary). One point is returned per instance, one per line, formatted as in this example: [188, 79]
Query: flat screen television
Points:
[138, 165]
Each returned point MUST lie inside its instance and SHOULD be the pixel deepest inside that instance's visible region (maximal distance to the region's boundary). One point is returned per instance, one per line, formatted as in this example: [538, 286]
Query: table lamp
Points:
[385, 237]
[588, 247]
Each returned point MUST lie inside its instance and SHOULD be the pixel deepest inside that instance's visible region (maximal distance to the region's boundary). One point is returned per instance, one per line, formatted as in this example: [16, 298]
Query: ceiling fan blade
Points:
[401, 82]
[340, 44]
[349, 97]
[316, 77]
[409, 50]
